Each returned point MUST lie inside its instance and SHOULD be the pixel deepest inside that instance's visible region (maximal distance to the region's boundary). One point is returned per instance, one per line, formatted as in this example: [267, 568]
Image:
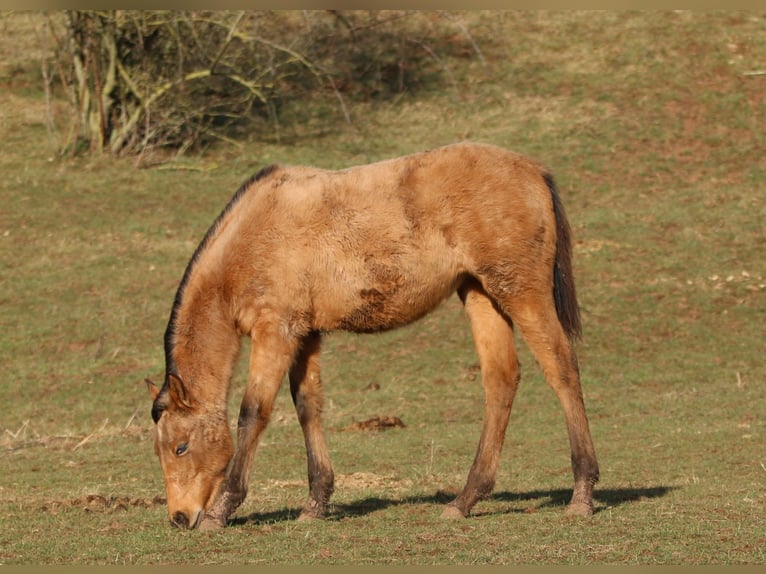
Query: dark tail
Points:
[564, 293]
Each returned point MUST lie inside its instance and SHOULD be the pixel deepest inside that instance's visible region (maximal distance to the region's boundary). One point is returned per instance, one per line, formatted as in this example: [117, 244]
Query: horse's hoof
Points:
[452, 513]
[308, 516]
[579, 509]
[209, 523]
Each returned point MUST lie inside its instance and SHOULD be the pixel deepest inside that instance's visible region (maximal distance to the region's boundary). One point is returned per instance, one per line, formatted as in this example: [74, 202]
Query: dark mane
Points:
[170, 366]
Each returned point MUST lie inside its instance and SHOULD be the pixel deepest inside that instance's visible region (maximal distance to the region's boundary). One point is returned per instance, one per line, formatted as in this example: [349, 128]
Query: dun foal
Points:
[300, 251]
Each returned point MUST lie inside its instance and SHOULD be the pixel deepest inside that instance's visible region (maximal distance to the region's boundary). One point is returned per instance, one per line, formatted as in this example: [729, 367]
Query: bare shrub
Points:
[181, 79]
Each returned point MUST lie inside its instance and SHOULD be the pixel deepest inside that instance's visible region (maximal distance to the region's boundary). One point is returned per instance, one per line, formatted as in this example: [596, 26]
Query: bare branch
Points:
[468, 35]
[120, 138]
[229, 38]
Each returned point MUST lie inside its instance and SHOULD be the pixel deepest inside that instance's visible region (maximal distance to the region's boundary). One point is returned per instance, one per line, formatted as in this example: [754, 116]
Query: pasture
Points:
[654, 125]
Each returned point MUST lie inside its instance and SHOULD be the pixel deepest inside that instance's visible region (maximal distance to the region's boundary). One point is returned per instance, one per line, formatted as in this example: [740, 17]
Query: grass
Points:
[653, 123]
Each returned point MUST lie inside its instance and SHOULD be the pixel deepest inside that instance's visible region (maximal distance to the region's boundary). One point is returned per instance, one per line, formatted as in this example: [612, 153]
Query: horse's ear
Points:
[179, 395]
[154, 390]
[159, 400]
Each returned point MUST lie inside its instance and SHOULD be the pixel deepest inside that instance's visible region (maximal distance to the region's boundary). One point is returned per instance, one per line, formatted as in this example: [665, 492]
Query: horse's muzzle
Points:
[181, 520]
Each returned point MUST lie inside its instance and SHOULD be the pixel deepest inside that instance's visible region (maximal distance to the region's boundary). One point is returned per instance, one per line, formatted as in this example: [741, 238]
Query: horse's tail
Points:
[564, 293]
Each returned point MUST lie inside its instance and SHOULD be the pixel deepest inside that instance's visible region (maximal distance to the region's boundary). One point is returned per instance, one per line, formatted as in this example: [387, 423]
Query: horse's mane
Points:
[170, 332]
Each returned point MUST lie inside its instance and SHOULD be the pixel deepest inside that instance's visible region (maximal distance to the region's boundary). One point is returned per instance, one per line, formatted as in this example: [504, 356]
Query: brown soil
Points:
[377, 423]
[102, 504]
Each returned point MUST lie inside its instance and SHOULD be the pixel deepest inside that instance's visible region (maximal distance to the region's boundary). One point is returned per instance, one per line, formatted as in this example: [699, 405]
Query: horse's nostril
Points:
[180, 520]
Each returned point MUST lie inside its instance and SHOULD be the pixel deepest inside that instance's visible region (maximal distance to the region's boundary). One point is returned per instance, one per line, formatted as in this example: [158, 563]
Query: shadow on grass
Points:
[521, 502]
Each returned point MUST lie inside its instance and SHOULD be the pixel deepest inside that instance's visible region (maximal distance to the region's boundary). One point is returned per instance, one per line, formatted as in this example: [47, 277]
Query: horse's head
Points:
[194, 447]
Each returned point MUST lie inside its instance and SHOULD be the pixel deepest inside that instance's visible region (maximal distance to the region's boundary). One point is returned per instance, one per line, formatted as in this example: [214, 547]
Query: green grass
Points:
[656, 136]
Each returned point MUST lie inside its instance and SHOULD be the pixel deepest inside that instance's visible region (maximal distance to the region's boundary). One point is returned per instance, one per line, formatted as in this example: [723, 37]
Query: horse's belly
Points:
[385, 297]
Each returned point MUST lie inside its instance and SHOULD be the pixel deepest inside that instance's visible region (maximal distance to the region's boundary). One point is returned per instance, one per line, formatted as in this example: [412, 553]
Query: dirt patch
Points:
[471, 372]
[376, 423]
[370, 481]
[102, 504]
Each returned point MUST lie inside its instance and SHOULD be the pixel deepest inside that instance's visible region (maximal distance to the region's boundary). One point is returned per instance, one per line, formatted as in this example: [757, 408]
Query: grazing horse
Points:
[300, 251]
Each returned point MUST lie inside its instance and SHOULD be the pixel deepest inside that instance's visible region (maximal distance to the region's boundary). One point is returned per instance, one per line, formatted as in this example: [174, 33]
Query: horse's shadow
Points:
[519, 502]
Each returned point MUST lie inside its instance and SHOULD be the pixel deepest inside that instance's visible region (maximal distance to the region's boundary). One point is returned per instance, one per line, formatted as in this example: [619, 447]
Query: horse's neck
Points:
[206, 348]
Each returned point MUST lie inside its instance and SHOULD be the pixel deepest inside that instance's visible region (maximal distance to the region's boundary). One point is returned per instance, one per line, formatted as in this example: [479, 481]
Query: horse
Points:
[300, 252]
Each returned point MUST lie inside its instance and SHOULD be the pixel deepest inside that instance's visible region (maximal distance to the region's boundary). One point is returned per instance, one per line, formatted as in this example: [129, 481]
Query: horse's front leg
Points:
[270, 358]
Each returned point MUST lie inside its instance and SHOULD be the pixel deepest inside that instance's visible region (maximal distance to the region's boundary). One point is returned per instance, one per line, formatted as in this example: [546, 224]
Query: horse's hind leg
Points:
[306, 390]
[493, 337]
[535, 314]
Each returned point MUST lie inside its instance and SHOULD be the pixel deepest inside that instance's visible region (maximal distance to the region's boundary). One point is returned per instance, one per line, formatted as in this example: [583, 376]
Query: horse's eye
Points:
[181, 449]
